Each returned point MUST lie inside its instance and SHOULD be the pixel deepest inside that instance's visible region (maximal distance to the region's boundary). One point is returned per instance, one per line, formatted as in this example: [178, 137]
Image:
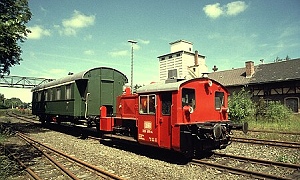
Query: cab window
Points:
[166, 99]
[147, 104]
[188, 97]
[219, 100]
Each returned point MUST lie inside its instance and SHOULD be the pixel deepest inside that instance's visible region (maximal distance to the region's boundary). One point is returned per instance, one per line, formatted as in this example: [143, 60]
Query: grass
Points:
[287, 125]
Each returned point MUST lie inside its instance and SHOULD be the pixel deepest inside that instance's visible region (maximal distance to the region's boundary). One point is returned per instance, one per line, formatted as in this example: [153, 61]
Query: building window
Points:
[147, 104]
[68, 91]
[163, 58]
[188, 97]
[178, 54]
[292, 103]
[219, 100]
[170, 57]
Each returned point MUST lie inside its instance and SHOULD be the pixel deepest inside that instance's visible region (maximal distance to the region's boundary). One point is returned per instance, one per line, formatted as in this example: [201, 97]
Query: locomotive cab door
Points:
[154, 121]
[147, 120]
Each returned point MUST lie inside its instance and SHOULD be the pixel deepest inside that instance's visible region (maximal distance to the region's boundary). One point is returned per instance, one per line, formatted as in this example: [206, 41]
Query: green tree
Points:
[2, 101]
[240, 106]
[14, 14]
[13, 102]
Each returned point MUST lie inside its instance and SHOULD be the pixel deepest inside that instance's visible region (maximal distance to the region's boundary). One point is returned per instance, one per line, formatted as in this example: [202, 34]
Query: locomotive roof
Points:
[162, 86]
[68, 79]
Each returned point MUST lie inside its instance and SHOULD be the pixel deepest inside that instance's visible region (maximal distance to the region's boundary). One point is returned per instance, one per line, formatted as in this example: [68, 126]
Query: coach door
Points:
[164, 111]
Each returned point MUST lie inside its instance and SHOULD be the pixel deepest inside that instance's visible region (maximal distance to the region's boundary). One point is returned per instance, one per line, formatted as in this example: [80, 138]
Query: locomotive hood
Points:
[174, 86]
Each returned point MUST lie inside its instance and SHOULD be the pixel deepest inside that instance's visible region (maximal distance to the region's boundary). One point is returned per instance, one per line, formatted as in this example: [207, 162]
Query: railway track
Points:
[44, 162]
[244, 166]
[267, 142]
[275, 132]
[234, 139]
[245, 161]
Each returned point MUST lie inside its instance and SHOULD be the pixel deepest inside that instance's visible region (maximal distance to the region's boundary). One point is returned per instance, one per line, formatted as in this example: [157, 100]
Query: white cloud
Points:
[213, 10]
[37, 32]
[89, 52]
[76, 22]
[118, 53]
[235, 8]
[88, 37]
[231, 9]
[143, 41]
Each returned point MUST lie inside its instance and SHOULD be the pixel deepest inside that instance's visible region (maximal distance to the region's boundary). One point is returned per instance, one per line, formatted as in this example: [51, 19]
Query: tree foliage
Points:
[9, 103]
[14, 14]
[240, 106]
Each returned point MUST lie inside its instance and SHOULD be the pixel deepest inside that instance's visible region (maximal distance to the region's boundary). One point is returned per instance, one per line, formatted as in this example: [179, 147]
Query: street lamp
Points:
[132, 43]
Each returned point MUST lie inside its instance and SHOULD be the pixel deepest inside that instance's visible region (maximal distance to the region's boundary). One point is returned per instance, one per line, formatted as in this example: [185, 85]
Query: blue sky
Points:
[73, 37]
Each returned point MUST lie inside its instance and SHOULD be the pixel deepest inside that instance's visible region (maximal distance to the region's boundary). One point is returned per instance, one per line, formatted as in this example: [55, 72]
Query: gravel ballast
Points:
[134, 166]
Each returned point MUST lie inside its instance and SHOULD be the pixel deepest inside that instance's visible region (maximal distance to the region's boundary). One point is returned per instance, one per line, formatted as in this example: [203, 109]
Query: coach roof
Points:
[69, 79]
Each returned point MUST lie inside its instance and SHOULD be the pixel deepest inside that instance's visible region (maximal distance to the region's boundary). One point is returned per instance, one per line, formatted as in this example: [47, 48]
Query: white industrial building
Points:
[182, 62]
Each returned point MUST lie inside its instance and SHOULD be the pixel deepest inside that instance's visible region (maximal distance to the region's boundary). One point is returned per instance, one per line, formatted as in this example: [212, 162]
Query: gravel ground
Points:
[133, 166]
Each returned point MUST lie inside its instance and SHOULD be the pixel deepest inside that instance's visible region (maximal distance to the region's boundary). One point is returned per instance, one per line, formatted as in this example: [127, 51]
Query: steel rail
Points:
[276, 132]
[113, 176]
[272, 141]
[266, 142]
[30, 171]
[65, 170]
[289, 165]
[238, 170]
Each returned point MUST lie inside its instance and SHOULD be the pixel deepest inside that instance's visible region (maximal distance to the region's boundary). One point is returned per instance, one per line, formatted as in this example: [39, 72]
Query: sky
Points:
[74, 36]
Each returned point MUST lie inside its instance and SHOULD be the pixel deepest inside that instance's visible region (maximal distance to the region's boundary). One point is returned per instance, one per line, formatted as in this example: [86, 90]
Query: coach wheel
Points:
[42, 119]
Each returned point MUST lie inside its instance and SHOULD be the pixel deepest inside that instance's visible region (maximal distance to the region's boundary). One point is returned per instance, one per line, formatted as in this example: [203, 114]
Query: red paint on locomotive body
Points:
[186, 116]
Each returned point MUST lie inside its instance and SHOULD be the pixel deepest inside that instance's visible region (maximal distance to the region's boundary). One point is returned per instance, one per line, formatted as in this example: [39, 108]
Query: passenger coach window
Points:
[68, 91]
[46, 95]
[147, 104]
[188, 97]
[219, 100]
[50, 94]
[58, 93]
[39, 96]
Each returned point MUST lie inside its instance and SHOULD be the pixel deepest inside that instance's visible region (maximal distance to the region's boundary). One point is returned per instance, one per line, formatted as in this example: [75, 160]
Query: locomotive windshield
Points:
[219, 100]
[188, 97]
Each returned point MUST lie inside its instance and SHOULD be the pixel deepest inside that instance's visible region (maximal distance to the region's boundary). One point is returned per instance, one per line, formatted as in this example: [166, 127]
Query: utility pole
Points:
[132, 43]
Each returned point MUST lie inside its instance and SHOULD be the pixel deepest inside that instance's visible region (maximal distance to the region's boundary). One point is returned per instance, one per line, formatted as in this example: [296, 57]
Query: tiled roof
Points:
[275, 72]
[233, 77]
[264, 73]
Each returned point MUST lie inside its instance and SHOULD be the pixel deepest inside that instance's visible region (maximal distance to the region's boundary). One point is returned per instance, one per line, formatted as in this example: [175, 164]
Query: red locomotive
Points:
[188, 116]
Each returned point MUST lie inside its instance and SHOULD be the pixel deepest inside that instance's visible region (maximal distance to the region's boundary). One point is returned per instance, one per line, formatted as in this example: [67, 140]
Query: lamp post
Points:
[132, 43]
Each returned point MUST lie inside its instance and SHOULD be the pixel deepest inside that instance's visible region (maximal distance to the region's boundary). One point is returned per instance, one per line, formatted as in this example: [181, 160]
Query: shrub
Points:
[277, 112]
[240, 106]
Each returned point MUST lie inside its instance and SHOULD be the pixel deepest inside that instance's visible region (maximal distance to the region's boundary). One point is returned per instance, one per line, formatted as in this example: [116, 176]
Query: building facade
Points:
[279, 81]
[182, 62]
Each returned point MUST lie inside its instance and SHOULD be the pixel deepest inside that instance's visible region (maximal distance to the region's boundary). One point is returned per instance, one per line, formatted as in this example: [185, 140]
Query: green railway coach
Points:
[78, 97]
